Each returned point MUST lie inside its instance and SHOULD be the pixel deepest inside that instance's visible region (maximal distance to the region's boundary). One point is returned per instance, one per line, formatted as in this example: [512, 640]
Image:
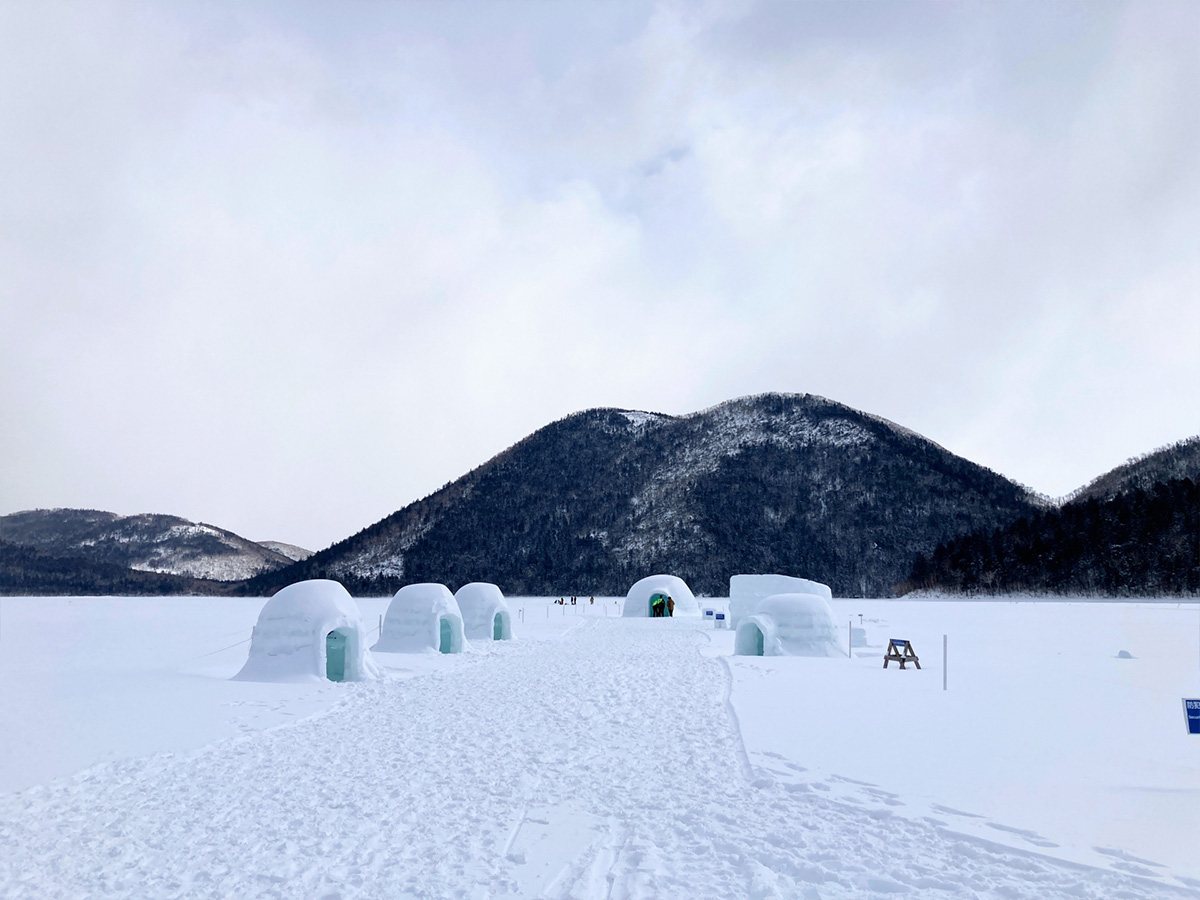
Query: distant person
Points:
[658, 605]
[591, 601]
[670, 606]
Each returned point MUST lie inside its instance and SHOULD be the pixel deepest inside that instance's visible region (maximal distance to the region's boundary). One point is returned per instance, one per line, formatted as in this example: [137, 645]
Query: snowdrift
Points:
[637, 601]
[789, 625]
[747, 591]
[484, 611]
[422, 618]
[309, 631]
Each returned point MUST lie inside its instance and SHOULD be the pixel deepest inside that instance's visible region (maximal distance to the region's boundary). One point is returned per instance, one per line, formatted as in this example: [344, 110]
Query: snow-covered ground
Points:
[596, 756]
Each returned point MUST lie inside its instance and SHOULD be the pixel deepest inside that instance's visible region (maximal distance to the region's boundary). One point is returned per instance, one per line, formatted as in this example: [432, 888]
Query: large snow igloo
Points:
[640, 599]
[788, 625]
[422, 618]
[309, 631]
[747, 591]
[485, 613]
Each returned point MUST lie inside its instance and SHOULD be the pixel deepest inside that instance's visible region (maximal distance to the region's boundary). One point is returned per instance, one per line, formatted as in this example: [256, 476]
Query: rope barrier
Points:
[230, 647]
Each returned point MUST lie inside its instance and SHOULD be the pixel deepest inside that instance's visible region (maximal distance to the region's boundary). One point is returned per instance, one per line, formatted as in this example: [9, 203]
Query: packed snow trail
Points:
[604, 764]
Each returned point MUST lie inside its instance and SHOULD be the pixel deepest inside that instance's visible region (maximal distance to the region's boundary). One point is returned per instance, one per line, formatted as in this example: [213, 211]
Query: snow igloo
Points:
[484, 611]
[309, 631]
[747, 591]
[640, 601]
[788, 625]
[422, 618]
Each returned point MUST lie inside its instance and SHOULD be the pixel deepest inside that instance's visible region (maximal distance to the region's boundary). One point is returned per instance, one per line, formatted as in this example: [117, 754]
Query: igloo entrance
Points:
[446, 637]
[335, 655]
[498, 628]
[749, 640]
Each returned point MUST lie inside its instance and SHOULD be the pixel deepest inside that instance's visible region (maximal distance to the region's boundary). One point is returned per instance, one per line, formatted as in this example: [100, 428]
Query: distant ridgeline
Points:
[1140, 542]
[794, 484]
[593, 502]
[87, 551]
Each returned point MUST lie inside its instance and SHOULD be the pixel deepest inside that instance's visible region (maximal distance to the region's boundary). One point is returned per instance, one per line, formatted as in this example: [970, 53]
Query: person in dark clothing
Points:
[670, 606]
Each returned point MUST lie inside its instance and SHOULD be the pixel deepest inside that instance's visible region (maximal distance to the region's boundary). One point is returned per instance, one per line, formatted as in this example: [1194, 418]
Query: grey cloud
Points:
[287, 267]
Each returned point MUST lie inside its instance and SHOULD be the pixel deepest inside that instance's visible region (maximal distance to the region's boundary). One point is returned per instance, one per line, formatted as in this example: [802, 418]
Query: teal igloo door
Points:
[335, 656]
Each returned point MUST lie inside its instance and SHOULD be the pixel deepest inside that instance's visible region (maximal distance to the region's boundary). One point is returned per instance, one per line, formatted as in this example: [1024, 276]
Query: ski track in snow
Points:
[604, 764]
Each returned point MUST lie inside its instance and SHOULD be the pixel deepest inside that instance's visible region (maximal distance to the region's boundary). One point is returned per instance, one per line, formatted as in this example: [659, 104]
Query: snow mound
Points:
[298, 626]
[789, 625]
[637, 601]
[484, 611]
[747, 591]
[422, 618]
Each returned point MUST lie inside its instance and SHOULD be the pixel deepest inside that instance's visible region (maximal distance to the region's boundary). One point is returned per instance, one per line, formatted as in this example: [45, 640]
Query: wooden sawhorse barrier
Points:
[901, 652]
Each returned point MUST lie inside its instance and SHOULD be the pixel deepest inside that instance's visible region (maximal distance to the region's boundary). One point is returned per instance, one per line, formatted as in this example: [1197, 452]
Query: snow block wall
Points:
[637, 601]
[747, 591]
[789, 625]
[422, 618]
[484, 611]
[296, 627]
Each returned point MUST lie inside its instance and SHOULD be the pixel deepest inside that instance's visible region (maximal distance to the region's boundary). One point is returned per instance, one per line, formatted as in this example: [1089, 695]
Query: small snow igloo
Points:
[788, 625]
[747, 591]
[484, 612]
[309, 631]
[422, 618]
[651, 594]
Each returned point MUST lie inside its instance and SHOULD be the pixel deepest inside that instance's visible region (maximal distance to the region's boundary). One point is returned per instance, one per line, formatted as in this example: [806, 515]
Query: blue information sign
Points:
[1191, 709]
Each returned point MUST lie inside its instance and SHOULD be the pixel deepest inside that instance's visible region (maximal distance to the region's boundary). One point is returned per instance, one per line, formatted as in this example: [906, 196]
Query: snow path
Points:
[604, 764]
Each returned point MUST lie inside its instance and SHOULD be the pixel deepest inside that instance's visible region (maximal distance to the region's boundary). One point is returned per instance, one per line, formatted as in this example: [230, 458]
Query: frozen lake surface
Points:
[601, 757]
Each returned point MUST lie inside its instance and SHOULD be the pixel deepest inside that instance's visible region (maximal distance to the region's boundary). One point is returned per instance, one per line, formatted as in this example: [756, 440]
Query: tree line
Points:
[1144, 541]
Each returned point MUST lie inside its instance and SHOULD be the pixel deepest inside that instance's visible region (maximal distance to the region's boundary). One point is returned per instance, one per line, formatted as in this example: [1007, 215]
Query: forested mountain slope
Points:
[27, 571]
[776, 483]
[1141, 542]
[1175, 461]
[146, 543]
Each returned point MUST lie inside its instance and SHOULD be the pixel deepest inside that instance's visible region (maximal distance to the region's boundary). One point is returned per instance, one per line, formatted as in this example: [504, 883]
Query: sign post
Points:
[943, 662]
[1191, 714]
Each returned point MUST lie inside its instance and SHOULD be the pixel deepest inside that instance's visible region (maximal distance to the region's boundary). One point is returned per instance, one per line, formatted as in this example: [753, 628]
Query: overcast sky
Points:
[286, 268]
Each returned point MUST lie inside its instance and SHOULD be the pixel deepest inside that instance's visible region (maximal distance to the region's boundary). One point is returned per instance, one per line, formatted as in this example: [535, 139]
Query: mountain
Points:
[795, 484]
[1175, 461]
[146, 543]
[27, 571]
[1143, 541]
[291, 551]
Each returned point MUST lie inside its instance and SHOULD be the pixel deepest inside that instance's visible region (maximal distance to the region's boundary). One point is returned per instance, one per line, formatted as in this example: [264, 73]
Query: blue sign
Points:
[721, 616]
[1191, 709]
[708, 612]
